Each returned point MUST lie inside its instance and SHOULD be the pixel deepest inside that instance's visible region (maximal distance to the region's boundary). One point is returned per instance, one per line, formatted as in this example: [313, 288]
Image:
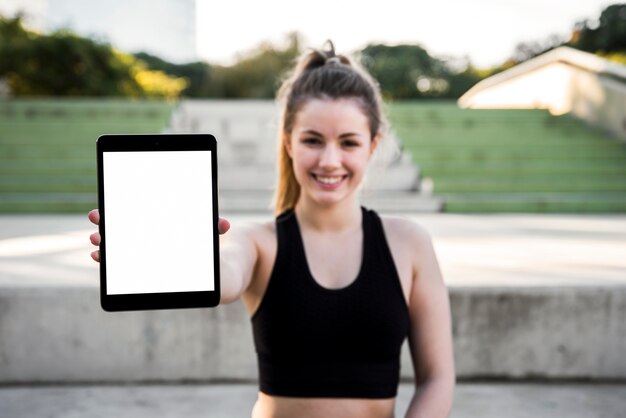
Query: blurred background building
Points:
[563, 81]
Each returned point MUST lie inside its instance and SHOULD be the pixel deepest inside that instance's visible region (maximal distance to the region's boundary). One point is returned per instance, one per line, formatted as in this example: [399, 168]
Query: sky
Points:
[484, 30]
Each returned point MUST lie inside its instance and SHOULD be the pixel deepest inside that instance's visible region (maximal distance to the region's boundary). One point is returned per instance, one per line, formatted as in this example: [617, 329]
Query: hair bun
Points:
[331, 56]
[329, 49]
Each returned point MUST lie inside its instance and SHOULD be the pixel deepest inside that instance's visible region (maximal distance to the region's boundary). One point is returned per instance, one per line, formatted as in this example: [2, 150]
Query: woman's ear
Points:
[287, 145]
[374, 143]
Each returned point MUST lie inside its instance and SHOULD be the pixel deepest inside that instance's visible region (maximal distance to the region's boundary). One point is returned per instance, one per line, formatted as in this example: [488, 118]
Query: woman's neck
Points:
[340, 217]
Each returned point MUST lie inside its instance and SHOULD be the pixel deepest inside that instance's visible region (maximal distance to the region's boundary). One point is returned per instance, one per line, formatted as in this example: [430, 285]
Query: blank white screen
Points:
[158, 221]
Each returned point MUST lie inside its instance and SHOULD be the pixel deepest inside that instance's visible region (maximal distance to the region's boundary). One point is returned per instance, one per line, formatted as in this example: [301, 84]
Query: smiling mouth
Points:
[329, 180]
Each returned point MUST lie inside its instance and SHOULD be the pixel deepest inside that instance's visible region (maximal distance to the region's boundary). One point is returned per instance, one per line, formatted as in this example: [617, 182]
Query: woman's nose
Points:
[331, 157]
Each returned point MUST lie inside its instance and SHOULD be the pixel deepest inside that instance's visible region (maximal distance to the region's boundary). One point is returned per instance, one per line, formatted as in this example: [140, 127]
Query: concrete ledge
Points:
[540, 332]
[62, 335]
[59, 334]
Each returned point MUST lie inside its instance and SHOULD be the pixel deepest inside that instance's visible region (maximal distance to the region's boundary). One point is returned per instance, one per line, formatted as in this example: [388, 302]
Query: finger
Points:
[94, 216]
[95, 238]
[96, 256]
[223, 226]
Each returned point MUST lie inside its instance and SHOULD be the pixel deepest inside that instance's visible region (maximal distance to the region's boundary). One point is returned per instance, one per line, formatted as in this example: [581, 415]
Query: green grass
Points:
[48, 148]
[512, 160]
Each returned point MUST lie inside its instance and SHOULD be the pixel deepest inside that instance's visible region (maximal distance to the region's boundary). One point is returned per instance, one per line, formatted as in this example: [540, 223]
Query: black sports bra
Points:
[312, 341]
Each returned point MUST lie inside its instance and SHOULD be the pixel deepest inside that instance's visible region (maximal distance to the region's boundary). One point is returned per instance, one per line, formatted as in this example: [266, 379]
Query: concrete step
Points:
[247, 133]
[471, 400]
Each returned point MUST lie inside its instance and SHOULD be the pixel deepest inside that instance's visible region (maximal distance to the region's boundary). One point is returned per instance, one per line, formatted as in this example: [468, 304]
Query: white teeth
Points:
[329, 180]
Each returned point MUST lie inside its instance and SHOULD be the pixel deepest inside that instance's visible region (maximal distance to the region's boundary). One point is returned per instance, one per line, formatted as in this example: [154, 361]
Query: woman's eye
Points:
[312, 141]
[350, 144]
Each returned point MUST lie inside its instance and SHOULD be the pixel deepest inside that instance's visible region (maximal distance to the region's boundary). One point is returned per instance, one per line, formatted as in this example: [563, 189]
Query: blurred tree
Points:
[605, 37]
[156, 83]
[618, 57]
[197, 74]
[607, 34]
[64, 64]
[409, 72]
[256, 74]
[526, 50]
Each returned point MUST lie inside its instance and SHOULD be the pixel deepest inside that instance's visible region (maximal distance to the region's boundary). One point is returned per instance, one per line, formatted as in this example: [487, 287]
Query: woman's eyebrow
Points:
[348, 134]
[312, 132]
[344, 135]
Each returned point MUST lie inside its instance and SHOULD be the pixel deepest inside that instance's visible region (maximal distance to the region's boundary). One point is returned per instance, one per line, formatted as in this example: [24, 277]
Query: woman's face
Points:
[330, 147]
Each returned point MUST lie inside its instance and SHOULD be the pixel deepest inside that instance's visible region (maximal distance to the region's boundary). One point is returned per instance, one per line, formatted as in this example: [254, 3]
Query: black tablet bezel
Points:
[156, 142]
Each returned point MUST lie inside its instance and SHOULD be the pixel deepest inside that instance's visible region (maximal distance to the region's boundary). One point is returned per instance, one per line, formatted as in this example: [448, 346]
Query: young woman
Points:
[332, 288]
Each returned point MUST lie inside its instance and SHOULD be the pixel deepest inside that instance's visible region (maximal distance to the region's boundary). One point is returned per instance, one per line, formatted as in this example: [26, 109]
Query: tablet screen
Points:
[159, 218]
[158, 221]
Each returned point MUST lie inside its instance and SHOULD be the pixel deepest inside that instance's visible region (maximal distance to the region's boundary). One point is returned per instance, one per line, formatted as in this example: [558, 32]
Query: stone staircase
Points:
[246, 132]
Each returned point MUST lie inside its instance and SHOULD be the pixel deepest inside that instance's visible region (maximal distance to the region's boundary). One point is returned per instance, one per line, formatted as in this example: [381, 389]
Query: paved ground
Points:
[472, 400]
[473, 250]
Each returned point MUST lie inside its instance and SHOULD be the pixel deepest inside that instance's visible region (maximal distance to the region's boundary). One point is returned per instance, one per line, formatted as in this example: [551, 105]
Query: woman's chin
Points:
[325, 198]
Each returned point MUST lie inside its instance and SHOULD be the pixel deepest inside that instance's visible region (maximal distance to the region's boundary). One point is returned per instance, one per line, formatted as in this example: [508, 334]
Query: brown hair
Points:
[320, 74]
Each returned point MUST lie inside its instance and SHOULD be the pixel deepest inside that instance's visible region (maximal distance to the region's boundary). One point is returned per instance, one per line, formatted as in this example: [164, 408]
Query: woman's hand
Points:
[94, 216]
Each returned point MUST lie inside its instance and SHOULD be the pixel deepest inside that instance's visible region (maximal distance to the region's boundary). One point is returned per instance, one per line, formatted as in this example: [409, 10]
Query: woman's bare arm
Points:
[237, 257]
[430, 335]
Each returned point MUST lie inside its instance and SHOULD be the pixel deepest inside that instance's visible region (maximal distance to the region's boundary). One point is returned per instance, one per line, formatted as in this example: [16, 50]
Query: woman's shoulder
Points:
[409, 242]
[408, 239]
[405, 231]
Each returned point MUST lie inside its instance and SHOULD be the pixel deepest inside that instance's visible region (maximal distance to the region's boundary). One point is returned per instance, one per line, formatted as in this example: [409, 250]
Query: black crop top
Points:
[312, 341]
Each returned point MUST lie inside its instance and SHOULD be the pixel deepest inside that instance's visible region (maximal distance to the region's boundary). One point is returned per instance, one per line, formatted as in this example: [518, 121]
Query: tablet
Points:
[157, 198]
